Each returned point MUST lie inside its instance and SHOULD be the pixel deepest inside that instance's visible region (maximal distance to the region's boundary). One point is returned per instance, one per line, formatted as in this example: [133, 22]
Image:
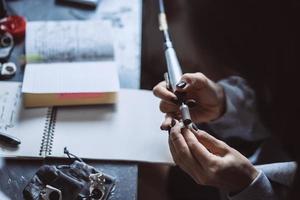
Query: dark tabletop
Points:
[15, 173]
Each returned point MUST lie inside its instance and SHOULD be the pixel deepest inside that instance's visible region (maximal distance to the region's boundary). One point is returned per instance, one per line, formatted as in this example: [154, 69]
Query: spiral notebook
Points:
[127, 131]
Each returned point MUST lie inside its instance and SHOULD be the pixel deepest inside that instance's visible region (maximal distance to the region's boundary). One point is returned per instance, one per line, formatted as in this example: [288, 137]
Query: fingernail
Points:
[181, 84]
[164, 127]
[190, 103]
[195, 127]
[173, 122]
[161, 128]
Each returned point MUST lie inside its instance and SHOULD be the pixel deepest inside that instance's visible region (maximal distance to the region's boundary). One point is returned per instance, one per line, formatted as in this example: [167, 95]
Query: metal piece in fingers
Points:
[7, 70]
[166, 76]
[186, 117]
[51, 193]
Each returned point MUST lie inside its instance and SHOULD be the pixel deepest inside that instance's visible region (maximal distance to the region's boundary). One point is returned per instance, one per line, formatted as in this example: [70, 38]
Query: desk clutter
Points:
[77, 180]
[12, 31]
[69, 95]
[126, 131]
[69, 63]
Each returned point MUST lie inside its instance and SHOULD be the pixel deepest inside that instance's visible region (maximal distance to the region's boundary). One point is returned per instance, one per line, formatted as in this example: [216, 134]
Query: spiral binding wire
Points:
[48, 134]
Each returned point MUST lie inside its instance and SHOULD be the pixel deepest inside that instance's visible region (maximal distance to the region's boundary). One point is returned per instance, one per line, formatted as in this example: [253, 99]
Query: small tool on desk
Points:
[7, 70]
[174, 70]
[11, 140]
[6, 45]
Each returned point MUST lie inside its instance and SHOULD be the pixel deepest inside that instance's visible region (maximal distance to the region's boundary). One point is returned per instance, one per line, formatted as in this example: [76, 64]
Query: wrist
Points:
[245, 181]
[221, 101]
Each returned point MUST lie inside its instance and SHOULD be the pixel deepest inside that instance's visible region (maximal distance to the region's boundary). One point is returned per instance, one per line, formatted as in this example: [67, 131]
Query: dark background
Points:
[256, 39]
[252, 38]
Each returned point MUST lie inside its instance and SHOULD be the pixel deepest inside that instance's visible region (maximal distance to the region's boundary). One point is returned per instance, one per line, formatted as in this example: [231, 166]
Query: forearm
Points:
[273, 182]
[260, 189]
[240, 118]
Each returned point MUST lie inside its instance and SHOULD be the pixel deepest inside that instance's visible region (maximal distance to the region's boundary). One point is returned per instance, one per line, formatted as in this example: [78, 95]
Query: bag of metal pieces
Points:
[77, 181]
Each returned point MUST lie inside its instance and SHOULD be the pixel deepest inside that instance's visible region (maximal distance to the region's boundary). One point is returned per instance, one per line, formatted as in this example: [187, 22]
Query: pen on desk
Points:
[9, 139]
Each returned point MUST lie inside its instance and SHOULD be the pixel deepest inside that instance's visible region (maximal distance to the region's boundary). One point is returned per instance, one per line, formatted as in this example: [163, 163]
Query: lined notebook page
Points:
[127, 131]
[68, 41]
[25, 124]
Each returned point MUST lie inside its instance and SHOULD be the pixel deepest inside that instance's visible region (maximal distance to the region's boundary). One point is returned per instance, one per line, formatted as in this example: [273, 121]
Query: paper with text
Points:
[68, 41]
[25, 124]
[10, 98]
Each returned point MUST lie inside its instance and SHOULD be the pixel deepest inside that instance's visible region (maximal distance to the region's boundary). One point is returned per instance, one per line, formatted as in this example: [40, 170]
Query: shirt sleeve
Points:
[240, 118]
[260, 189]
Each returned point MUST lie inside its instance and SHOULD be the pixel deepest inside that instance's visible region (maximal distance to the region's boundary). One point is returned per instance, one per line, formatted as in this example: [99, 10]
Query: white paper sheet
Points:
[10, 97]
[25, 124]
[128, 132]
[79, 77]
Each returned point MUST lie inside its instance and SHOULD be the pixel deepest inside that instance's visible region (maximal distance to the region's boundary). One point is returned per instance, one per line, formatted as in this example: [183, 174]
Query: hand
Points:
[210, 161]
[209, 97]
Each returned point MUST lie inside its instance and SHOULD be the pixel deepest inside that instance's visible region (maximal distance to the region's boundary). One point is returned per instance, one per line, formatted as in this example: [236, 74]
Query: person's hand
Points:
[209, 99]
[210, 161]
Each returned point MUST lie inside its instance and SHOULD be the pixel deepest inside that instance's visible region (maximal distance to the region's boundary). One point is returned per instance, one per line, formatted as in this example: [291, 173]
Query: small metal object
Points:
[186, 117]
[166, 76]
[97, 187]
[51, 193]
[7, 70]
[6, 45]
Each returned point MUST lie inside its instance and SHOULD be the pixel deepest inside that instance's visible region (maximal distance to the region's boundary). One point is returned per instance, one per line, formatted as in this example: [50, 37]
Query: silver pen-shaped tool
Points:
[174, 69]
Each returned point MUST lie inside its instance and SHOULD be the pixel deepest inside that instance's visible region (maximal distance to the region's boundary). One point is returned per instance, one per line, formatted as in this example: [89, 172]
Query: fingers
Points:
[167, 107]
[214, 145]
[199, 151]
[173, 152]
[161, 91]
[189, 169]
[177, 139]
[166, 124]
[181, 152]
[192, 81]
